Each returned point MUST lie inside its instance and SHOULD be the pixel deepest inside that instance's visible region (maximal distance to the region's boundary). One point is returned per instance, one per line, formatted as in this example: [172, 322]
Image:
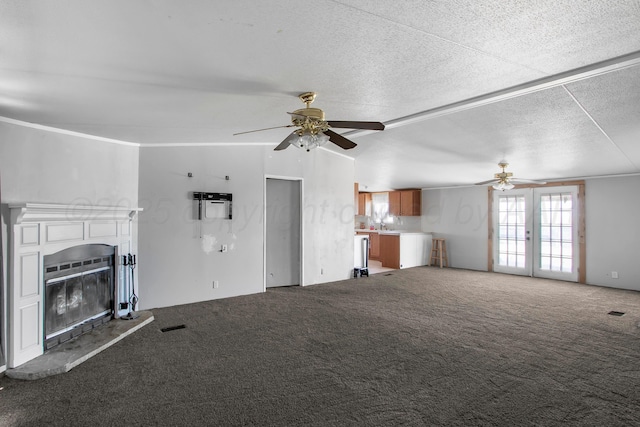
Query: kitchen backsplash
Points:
[404, 223]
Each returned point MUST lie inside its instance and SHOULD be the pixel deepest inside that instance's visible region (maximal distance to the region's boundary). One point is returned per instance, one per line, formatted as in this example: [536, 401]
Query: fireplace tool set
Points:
[130, 261]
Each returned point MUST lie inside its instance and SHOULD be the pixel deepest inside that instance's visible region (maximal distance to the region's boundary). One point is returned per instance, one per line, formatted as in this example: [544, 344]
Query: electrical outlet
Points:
[322, 271]
[224, 248]
[614, 274]
[216, 284]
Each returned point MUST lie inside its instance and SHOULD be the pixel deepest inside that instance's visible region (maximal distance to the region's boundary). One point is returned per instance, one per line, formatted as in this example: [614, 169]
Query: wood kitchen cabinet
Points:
[410, 202]
[374, 246]
[390, 251]
[394, 203]
[405, 203]
[364, 204]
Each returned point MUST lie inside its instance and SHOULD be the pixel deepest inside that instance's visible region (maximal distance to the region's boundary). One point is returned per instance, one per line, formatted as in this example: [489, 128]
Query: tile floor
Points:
[376, 267]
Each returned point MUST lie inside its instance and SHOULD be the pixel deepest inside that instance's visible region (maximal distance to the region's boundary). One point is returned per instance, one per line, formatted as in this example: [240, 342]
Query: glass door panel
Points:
[556, 248]
[512, 232]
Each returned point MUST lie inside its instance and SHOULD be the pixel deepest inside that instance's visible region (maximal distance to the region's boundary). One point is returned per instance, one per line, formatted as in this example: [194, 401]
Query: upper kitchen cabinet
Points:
[405, 203]
[364, 204]
[394, 203]
[410, 202]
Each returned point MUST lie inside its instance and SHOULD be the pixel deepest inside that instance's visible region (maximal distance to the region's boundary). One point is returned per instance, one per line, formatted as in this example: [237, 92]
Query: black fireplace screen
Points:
[79, 291]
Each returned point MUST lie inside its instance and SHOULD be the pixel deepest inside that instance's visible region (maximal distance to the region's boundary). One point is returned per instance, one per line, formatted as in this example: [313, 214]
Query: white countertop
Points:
[390, 232]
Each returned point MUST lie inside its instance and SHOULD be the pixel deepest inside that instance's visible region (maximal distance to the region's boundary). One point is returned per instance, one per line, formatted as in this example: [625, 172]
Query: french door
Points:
[536, 232]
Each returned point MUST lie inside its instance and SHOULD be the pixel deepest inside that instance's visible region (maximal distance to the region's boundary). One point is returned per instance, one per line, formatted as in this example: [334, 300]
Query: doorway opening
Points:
[283, 232]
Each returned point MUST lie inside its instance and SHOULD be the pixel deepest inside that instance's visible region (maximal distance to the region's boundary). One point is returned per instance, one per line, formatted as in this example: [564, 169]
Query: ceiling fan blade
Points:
[339, 140]
[260, 130]
[491, 181]
[356, 125]
[286, 142]
[525, 181]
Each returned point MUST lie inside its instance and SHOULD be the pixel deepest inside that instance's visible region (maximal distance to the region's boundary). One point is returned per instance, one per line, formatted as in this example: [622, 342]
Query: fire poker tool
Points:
[130, 261]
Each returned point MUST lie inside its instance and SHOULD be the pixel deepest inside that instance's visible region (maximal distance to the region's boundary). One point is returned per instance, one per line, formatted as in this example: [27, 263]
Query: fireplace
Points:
[65, 275]
[79, 291]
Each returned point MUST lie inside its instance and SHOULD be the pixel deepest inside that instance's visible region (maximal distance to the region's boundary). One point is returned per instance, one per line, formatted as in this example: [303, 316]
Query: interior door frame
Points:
[582, 243]
[264, 226]
[3, 296]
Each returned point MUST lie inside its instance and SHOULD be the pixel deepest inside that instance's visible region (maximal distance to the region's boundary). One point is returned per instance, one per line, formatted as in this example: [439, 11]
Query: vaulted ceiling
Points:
[553, 86]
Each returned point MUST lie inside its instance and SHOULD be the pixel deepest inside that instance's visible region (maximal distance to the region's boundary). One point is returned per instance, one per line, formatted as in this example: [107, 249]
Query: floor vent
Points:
[616, 313]
[172, 328]
[389, 274]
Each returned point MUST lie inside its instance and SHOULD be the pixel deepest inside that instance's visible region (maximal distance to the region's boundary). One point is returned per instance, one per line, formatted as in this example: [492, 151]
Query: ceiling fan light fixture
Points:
[309, 140]
[503, 186]
[504, 180]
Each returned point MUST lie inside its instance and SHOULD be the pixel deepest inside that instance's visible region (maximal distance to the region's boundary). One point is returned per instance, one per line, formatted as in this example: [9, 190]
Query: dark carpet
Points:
[421, 346]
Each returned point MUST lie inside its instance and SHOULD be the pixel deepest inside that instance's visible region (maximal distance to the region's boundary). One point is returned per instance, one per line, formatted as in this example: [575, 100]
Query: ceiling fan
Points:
[314, 131]
[504, 180]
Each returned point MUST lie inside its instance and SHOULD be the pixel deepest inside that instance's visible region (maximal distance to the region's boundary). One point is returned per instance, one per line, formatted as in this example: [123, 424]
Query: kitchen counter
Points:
[404, 249]
[398, 248]
[390, 232]
[399, 232]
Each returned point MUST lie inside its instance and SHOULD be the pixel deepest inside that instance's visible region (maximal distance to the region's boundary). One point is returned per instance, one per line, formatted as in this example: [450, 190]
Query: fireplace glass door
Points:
[76, 298]
[79, 291]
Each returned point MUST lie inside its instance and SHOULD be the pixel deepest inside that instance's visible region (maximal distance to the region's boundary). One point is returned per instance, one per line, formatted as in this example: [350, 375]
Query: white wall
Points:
[613, 231]
[179, 256]
[47, 167]
[460, 216]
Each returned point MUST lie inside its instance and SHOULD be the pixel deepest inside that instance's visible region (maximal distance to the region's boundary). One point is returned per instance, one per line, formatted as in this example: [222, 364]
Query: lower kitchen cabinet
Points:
[390, 250]
[374, 246]
[404, 250]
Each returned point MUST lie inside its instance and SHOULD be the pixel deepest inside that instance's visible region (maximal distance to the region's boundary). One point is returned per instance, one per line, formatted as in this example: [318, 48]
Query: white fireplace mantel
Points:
[41, 212]
[39, 229]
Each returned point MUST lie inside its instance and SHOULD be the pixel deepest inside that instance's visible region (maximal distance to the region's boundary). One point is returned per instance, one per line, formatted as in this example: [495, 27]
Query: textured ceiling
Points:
[169, 72]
